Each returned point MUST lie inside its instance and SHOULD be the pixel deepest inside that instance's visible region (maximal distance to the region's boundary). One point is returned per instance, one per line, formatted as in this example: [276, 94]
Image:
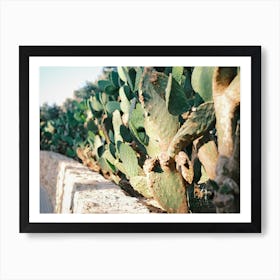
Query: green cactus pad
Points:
[136, 125]
[138, 78]
[128, 75]
[104, 164]
[122, 73]
[169, 190]
[96, 146]
[102, 84]
[202, 82]
[109, 158]
[117, 122]
[104, 99]
[112, 106]
[111, 90]
[129, 160]
[125, 133]
[176, 99]
[195, 126]
[129, 94]
[140, 184]
[125, 104]
[187, 83]
[114, 78]
[159, 124]
[177, 73]
[91, 126]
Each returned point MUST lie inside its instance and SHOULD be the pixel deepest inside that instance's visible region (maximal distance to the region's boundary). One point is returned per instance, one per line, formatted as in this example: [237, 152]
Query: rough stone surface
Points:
[45, 203]
[52, 169]
[73, 188]
[106, 198]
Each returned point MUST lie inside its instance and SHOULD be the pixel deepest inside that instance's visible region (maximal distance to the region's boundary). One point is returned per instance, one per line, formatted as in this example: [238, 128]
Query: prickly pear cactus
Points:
[168, 186]
[159, 124]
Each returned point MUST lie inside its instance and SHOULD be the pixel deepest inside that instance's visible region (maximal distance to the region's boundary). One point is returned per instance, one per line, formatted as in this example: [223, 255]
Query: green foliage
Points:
[86, 91]
[202, 82]
[61, 130]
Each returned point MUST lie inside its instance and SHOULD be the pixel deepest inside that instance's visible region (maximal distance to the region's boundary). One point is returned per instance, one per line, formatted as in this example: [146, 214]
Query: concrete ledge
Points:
[70, 187]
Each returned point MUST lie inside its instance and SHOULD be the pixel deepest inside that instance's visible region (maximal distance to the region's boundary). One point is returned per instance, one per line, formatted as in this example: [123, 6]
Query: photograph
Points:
[160, 144]
[167, 136]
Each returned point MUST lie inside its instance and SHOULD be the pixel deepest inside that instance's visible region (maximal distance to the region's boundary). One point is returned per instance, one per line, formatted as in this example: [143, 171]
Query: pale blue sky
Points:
[59, 83]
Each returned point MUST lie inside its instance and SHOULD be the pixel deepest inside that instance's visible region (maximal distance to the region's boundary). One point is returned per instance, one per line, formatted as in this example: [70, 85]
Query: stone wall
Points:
[69, 187]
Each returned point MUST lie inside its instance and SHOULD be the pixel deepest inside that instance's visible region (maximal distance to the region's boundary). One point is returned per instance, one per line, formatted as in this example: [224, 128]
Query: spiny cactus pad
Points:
[159, 124]
[195, 126]
[169, 190]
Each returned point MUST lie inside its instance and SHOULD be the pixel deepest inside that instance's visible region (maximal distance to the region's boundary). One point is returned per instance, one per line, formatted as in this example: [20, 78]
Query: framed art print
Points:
[140, 138]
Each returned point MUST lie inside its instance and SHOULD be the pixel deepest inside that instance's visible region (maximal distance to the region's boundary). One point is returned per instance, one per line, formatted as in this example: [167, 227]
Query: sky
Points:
[59, 83]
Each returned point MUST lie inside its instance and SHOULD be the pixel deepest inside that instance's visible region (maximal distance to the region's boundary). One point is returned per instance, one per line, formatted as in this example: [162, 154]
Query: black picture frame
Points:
[254, 52]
